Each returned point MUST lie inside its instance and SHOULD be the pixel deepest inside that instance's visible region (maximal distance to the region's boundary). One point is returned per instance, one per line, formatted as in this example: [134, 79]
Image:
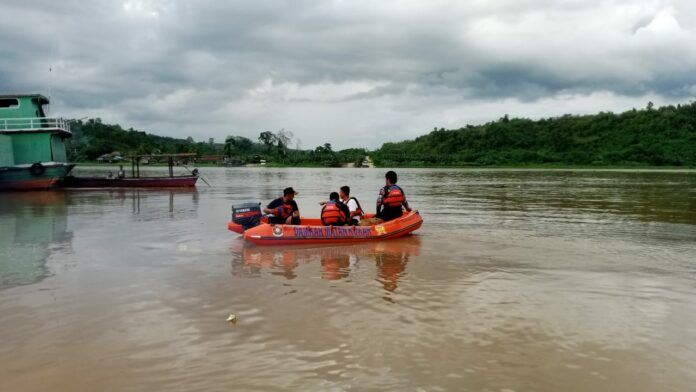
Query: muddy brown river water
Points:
[519, 280]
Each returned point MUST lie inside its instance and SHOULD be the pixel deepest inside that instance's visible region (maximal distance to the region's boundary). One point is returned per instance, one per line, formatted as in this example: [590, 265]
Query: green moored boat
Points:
[32, 148]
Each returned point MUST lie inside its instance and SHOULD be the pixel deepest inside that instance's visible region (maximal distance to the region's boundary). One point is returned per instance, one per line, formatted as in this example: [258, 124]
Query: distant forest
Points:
[647, 137]
[93, 139]
[664, 136]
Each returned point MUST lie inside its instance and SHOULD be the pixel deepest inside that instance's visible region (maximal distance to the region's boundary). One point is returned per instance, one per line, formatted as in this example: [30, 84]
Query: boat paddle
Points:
[196, 174]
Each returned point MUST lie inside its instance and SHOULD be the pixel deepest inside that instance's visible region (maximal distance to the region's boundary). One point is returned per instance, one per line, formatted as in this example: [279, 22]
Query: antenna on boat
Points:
[50, 90]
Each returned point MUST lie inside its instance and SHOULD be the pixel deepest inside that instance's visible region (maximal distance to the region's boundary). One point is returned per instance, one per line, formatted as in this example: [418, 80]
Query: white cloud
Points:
[352, 73]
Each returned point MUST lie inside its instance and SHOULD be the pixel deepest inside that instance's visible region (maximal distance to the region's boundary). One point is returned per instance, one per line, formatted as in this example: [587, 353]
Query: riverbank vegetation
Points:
[95, 141]
[647, 137]
[653, 137]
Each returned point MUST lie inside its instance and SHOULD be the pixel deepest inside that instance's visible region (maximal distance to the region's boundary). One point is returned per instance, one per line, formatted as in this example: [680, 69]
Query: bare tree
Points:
[284, 138]
[230, 144]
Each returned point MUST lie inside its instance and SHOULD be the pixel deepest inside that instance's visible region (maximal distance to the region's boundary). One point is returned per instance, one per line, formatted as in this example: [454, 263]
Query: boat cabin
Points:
[27, 136]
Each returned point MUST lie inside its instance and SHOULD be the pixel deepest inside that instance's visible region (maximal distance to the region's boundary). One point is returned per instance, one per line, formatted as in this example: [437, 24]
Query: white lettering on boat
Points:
[331, 232]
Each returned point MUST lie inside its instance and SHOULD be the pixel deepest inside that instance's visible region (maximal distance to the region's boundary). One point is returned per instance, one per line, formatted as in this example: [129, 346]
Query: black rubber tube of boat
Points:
[37, 169]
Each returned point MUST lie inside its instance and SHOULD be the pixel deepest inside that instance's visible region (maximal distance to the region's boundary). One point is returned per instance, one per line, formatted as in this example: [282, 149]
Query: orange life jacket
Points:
[284, 211]
[393, 197]
[331, 214]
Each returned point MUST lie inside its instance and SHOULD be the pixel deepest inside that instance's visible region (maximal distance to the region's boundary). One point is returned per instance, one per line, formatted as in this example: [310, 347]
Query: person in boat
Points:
[121, 173]
[334, 212]
[284, 209]
[392, 199]
[356, 211]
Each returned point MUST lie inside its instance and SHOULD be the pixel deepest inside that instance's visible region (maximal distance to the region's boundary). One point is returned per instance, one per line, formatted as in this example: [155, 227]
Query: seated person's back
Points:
[392, 199]
[334, 212]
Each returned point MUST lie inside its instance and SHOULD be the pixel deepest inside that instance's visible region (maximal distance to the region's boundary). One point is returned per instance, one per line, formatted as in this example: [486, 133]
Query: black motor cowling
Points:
[247, 215]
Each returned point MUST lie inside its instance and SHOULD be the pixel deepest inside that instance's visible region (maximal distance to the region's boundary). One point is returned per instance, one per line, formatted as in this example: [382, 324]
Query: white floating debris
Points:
[232, 318]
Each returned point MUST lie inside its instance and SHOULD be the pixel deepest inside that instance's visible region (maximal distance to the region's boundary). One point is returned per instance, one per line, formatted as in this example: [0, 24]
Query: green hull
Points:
[32, 146]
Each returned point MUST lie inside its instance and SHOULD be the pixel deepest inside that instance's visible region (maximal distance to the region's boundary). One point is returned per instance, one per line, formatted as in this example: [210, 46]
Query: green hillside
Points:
[92, 139]
[648, 137]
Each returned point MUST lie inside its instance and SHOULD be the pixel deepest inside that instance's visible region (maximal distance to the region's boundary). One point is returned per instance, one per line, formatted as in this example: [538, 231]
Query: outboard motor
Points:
[247, 215]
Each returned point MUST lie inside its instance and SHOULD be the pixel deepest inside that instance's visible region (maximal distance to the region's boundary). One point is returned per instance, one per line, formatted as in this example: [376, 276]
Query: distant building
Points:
[110, 158]
[214, 159]
[230, 161]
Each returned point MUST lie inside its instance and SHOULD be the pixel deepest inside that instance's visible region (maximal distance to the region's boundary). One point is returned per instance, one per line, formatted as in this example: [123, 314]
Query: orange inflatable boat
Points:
[311, 231]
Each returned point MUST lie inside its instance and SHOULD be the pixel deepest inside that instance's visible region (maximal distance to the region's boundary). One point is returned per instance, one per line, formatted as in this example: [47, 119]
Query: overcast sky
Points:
[351, 73]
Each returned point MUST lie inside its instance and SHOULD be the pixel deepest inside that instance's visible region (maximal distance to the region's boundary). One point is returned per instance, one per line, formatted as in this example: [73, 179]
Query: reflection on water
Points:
[31, 225]
[136, 195]
[335, 261]
[517, 281]
[34, 225]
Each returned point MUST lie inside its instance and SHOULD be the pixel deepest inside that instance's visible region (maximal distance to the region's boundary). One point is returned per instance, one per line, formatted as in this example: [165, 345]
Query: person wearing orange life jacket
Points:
[334, 212]
[391, 199]
[284, 209]
[356, 211]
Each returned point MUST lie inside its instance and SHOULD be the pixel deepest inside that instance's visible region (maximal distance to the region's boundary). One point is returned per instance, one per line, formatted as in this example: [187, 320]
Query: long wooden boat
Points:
[141, 182]
[135, 181]
[311, 231]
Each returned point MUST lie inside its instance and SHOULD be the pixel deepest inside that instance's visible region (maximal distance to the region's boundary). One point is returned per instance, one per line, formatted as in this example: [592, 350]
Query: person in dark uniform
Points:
[334, 212]
[392, 199]
[284, 209]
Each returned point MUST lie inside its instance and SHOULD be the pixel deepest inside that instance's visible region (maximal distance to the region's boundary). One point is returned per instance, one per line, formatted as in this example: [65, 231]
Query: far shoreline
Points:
[549, 167]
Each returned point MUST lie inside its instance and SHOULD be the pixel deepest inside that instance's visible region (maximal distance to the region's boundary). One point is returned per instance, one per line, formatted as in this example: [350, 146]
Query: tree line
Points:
[647, 137]
[93, 138]
[665, 136]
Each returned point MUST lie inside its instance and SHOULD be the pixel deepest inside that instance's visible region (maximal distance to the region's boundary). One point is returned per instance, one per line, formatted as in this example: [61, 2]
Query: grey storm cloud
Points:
[352, 73]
